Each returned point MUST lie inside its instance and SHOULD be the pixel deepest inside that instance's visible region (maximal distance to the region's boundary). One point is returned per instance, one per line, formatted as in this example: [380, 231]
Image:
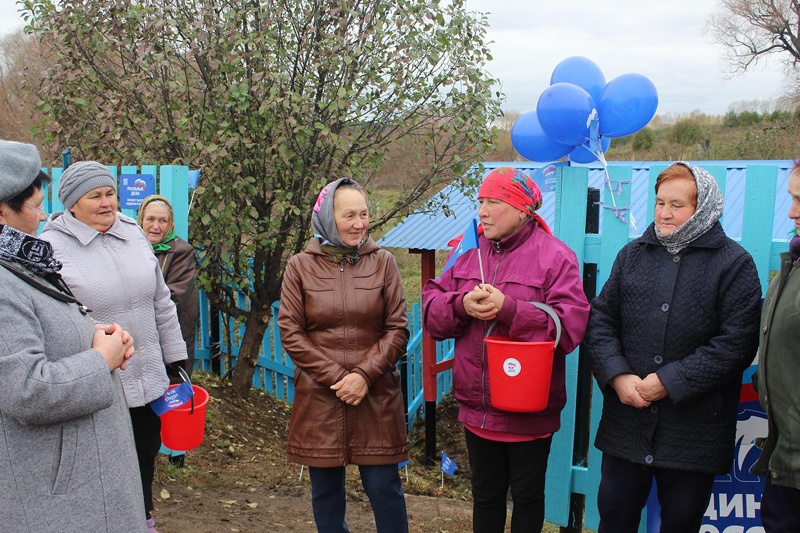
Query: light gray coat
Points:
[117, 276]
[67, 458]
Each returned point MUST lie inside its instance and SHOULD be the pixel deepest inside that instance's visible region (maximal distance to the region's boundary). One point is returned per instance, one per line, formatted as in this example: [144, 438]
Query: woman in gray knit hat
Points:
[109, 265]
[67, 454]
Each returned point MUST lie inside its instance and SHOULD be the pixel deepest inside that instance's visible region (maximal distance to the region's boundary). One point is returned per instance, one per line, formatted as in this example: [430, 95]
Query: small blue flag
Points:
[174, 397]
[194, 177]
[468, 241]
[401, 465]
[448, 465]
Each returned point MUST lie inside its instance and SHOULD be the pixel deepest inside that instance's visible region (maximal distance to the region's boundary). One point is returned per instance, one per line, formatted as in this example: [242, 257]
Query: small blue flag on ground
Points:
[448, 465]
[401, 465]
[467, 242]
[174, 397]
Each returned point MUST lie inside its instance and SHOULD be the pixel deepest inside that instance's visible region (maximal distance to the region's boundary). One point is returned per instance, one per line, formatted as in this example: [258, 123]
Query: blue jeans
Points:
[383, 488]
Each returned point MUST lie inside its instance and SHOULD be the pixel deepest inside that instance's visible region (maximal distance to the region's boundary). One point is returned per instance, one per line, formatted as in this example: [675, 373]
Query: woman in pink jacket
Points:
[523, 262]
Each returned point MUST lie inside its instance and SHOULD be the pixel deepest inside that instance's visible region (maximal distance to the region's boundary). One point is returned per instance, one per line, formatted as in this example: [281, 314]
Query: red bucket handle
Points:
[547, 309]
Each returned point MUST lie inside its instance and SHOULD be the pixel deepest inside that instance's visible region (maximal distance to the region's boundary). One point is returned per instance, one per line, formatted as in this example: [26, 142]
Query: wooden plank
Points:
[655, 170]
[128, 169]
[572, 184]
[51, 200]
[616, 201]
[174, 184]
[757, 217]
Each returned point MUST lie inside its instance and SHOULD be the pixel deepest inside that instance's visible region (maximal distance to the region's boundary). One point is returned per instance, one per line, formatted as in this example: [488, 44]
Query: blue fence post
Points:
[572, 184]
[757, 228]
[174, 184]
[55, 203]
[129, 169]
[615, 236]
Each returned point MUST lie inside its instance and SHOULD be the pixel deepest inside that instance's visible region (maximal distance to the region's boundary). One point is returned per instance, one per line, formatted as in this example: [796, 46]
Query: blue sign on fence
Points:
[545, 177]
[133, 188]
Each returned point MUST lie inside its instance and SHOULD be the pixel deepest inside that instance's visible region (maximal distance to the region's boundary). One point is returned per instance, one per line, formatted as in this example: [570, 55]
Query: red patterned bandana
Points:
[513, 187]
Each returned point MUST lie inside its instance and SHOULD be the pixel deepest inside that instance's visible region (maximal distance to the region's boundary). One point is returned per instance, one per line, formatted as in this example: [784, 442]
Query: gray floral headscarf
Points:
[707, 213]
[322, 219]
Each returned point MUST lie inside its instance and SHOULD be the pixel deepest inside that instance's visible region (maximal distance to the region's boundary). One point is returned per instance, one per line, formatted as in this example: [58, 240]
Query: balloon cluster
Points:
[579, 114]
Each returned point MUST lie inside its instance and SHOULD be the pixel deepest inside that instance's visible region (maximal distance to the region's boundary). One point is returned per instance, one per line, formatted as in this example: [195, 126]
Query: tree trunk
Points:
[255, 326]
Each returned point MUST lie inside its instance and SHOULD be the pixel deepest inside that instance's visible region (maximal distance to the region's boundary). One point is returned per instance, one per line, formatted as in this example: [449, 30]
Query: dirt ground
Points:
[238, 480]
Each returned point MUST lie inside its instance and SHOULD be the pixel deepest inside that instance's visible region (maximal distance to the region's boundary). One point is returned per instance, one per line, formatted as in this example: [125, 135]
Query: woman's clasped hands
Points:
[639, 392]
[483, 302]
[114, 344]
[351, 389]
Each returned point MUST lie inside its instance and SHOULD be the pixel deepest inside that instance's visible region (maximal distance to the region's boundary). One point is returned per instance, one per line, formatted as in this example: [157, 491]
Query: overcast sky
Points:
[663, 40]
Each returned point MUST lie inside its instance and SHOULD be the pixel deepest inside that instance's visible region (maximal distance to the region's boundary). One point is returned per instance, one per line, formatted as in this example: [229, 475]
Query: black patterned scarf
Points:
[34, 254]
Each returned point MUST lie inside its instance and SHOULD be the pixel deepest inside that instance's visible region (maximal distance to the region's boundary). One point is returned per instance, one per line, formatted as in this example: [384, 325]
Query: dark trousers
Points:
[147, 436]
[625, 486]
[383, 488]
[780, 508]
[498, 466]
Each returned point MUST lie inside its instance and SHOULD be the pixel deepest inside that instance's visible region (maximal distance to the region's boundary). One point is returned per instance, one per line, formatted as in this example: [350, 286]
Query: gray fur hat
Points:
[82, 177]
[19, 165]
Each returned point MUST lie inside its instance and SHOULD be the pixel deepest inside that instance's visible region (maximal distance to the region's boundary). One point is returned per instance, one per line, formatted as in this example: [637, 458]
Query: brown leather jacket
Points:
[335, 319]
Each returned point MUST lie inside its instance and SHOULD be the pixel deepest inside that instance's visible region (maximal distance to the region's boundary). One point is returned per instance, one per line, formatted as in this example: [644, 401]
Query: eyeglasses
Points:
[37, 207]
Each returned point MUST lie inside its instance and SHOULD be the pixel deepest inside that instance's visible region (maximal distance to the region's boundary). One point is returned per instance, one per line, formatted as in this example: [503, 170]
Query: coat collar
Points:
[85, 234]
[314, 248]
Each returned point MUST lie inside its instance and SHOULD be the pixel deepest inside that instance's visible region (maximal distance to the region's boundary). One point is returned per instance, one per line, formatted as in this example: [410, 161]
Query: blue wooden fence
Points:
[757, 220]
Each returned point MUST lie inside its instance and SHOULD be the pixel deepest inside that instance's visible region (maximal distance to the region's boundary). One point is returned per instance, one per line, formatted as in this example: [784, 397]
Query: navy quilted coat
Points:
[692, 318]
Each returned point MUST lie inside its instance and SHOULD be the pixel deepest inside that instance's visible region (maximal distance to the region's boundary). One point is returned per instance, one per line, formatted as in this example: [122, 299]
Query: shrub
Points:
[686, 133]
[644, 140]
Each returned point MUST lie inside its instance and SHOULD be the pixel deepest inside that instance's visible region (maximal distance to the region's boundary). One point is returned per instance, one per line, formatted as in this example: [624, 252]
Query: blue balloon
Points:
[582, 72]
[582, 155]
[530, 140]
[564, 111]
[628, 104]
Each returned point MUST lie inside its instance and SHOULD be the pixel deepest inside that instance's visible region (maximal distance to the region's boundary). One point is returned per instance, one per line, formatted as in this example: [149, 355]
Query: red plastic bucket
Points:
[183, 428]
[519, 373]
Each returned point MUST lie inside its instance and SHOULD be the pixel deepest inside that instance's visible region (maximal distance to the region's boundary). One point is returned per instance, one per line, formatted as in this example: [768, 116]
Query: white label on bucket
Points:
[512, 367]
